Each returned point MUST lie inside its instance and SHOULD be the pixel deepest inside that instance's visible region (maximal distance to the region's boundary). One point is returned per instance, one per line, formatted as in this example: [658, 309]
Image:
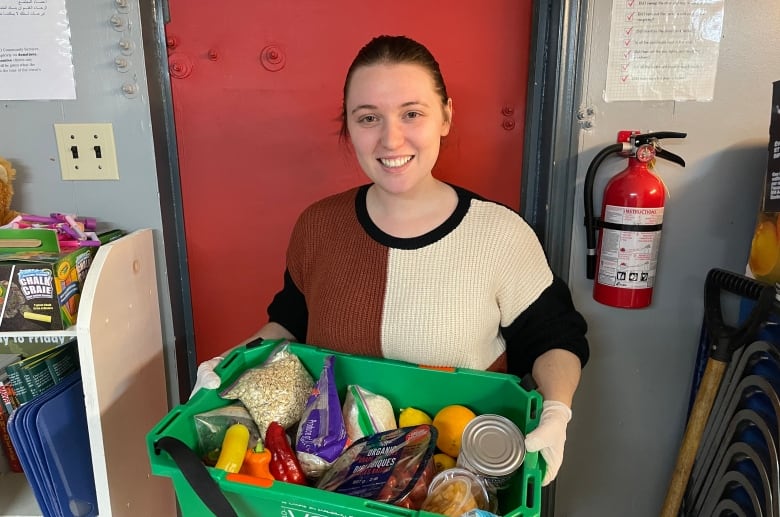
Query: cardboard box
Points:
[40, 285]
[764, 261]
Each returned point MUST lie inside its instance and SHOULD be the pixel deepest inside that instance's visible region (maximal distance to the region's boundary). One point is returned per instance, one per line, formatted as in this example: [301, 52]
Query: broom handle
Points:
[702, 405]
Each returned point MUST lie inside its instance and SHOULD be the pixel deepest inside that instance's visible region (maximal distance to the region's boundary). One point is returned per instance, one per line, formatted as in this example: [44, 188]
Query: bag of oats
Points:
[277, 390]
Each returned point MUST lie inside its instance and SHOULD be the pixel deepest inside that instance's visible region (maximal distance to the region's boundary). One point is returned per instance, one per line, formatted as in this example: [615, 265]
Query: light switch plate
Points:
[87, 151]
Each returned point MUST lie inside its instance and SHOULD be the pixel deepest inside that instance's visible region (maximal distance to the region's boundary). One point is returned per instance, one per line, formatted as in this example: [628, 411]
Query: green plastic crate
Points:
[403, 384]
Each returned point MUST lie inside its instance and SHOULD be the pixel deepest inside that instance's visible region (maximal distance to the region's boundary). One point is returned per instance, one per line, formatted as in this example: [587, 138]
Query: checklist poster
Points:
[35, 51]
[663, 50]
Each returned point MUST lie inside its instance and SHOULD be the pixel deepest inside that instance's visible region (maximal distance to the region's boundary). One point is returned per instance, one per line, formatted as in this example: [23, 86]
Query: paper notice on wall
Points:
[35, 52]
[663, 50]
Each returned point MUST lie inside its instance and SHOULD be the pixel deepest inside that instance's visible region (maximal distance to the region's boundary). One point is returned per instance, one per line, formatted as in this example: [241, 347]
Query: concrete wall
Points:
[631, 409]
[27, 138]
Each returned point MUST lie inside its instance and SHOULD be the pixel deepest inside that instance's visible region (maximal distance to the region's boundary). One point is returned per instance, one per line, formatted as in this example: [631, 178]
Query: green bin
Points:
[404, 384]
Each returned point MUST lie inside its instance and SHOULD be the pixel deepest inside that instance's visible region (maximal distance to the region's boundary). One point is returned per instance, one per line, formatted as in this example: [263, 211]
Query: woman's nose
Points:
[392, 134]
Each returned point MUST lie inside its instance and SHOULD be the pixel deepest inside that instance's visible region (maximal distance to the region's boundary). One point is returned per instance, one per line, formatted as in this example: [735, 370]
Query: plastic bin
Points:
[403, 384]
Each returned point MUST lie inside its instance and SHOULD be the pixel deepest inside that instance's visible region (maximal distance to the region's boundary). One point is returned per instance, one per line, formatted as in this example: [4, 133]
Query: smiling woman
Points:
[412, 268]
[395, 124]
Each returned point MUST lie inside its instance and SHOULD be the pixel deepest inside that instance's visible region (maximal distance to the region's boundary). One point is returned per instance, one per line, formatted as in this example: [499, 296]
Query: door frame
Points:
[549, 163]
[549, 175]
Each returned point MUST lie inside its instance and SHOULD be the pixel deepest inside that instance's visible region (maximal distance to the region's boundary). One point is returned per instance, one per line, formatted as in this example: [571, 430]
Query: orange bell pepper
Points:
[257, 461]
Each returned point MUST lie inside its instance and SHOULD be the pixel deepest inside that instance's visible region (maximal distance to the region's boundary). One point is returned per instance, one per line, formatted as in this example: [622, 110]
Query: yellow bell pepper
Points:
[234, 447]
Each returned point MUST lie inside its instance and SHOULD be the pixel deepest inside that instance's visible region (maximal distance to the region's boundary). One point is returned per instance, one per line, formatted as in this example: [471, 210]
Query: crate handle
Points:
[167, 420]
[530, 490]
[388, 508]
[226, 362]
[197, 475]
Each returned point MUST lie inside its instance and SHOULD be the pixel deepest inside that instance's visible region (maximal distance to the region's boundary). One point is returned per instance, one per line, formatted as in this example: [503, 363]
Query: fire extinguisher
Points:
[623, 265]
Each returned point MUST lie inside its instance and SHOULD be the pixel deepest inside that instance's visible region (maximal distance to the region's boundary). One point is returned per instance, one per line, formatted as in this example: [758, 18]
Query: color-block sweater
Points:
[475, 292]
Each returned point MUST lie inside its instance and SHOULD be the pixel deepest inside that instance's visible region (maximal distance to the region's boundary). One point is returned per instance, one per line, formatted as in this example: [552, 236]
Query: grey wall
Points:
[629, 414]
[27, 139]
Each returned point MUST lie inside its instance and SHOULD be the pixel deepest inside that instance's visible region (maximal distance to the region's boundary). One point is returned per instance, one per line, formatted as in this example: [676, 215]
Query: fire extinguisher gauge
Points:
[645, 153]
[652, 139]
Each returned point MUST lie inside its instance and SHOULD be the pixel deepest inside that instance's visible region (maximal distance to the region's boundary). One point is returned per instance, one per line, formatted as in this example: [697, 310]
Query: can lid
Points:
[493, 445]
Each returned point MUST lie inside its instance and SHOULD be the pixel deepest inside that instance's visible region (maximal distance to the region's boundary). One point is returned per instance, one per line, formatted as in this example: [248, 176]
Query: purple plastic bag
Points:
[322, 434]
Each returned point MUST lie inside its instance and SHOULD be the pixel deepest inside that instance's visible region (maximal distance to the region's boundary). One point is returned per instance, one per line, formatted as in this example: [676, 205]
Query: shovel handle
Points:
[700, 413]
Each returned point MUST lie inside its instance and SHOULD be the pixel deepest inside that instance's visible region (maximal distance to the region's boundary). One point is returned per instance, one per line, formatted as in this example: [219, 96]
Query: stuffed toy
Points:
[7, 176]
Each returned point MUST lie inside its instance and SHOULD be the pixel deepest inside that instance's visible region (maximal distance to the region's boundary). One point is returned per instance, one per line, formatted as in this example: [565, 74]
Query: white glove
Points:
[206, 377]
[550, 437]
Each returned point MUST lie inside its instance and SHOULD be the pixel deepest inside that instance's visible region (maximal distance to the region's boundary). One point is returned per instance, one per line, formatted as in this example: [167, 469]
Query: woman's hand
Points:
[206, 377]
[550, 437]
[557, 373]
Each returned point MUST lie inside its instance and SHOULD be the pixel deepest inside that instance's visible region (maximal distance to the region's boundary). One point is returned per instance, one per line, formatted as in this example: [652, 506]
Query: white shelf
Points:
[123, 373]
[16, 496]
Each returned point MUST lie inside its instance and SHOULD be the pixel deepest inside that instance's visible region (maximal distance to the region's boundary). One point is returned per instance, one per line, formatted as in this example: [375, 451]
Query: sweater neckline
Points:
[411, 243]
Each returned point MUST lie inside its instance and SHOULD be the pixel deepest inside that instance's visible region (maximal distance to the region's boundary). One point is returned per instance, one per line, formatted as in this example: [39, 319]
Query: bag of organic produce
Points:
[393, 467]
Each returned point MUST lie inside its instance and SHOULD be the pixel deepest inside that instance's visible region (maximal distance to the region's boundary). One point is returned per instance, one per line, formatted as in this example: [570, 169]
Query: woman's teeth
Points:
[395, 162]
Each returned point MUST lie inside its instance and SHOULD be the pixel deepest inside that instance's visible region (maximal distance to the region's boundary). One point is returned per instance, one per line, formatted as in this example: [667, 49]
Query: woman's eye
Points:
[367, 119]
[413, 114]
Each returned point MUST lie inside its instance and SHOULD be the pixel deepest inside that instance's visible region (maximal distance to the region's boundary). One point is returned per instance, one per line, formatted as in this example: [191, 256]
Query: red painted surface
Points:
[256, 92]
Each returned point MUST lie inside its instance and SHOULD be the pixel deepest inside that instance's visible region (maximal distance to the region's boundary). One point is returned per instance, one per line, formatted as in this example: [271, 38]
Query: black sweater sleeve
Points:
[548, 323]
[288, 309]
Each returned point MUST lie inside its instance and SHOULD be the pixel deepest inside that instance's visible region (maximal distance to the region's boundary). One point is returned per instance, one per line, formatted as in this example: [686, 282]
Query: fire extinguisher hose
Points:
[590, 219]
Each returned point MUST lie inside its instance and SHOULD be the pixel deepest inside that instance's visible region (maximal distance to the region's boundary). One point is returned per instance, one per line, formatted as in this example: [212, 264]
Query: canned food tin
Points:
[493, 447]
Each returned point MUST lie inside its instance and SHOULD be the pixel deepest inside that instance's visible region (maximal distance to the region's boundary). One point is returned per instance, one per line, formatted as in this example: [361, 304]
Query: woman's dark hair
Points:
[392, 50]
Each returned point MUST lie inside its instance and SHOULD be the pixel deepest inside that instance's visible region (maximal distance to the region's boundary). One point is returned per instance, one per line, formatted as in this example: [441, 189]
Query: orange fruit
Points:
[450, 422]
[763, 249]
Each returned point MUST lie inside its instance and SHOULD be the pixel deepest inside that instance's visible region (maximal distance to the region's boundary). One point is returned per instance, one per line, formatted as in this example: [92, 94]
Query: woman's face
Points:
[396, 120]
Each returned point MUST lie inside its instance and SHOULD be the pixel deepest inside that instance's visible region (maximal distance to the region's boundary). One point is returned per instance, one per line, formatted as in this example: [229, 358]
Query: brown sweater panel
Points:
[344, 289]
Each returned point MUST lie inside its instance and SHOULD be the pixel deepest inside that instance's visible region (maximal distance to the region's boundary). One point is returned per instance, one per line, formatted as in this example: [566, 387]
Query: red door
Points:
[256, 94]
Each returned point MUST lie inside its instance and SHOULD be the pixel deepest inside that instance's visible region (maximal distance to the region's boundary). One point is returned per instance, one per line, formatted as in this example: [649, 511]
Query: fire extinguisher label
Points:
[628, 258]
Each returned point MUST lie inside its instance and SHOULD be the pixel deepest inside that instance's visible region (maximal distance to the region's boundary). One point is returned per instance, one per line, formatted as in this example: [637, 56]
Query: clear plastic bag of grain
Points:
[277, 390]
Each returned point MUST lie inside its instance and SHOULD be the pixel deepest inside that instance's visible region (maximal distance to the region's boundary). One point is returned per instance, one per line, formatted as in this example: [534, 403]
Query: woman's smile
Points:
[395, 163]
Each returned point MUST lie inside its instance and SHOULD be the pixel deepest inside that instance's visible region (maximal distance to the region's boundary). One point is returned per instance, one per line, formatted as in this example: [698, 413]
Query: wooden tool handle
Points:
[702, 405]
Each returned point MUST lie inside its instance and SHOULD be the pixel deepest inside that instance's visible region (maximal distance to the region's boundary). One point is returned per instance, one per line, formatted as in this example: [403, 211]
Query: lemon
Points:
[450, 422]
[412, 416]
[443, 461]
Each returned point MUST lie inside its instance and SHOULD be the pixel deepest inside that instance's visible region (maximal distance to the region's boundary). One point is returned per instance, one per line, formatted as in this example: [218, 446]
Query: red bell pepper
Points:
[284, 464]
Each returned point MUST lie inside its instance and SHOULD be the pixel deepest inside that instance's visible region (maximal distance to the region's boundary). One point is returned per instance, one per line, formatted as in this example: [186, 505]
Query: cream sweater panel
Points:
[464, 286]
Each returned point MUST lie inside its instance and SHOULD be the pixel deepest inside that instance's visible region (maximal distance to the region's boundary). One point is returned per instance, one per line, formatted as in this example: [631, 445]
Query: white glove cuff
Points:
[559, 409]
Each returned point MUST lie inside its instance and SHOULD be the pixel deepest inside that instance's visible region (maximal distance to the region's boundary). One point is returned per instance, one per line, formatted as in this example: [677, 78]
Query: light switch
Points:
[87, 151]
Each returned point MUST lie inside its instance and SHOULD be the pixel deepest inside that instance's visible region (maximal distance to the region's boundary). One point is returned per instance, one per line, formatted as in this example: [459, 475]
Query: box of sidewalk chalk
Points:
[40, 284]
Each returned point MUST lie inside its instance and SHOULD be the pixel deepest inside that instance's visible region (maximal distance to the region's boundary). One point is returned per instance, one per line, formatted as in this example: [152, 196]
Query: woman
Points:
[411, 268]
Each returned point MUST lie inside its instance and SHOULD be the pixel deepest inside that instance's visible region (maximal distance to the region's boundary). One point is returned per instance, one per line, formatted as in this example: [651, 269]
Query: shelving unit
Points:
[123, 373]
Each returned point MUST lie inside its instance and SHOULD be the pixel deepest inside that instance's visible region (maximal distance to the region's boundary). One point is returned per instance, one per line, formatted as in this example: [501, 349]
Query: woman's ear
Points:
[445, 129]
